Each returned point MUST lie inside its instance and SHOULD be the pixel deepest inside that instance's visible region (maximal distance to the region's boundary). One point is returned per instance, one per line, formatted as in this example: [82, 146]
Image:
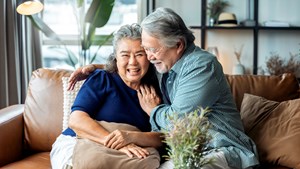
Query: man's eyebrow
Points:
[124, 51]
[142, 50]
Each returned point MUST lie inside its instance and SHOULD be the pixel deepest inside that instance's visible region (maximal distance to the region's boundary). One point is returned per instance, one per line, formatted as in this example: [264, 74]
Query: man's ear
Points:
[180, 46]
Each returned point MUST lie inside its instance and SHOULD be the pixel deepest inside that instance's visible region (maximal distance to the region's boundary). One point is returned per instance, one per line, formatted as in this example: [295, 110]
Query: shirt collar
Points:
[177, 66]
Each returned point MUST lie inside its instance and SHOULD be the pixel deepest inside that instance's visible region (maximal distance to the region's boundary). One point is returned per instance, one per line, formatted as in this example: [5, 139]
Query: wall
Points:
[283, 42]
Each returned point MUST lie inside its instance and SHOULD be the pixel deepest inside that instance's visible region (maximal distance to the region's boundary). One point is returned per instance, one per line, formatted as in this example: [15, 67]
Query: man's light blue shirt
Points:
[197, 79]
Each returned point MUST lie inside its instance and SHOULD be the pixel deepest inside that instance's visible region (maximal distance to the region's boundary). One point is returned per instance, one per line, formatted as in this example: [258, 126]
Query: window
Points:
[60, 17]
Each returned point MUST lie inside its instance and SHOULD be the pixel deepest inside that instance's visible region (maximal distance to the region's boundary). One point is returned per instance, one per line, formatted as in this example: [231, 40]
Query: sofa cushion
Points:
[43, 110]
[278, 88]
[86, 153]
[69, 97]
[275, 128]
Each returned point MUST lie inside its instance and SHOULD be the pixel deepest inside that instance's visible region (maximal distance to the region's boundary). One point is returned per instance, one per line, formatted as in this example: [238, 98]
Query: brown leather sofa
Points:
[28, 131]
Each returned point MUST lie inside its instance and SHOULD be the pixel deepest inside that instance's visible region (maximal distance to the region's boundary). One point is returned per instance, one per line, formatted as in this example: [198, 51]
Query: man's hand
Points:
[80, 74]
[148, 98]
[118, 139]
[133, 150]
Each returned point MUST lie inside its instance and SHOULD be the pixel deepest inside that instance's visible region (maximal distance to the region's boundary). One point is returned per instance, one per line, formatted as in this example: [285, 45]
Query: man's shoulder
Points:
[199, 58]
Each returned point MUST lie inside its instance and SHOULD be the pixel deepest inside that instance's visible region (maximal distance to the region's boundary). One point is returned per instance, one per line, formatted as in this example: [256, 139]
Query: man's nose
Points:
[150, 56]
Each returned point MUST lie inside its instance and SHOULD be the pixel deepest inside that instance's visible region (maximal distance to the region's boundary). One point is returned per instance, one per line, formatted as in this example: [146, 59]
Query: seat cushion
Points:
[36, 161]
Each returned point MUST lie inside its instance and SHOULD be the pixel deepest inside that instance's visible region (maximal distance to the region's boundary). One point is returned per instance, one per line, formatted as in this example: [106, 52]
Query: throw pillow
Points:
[69, 97]
[89, 154]
[274, 127]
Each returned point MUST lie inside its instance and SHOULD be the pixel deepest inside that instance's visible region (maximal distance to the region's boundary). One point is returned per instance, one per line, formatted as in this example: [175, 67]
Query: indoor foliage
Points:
[277, 65]
[96, 16]
[215, 8]
[187, 139]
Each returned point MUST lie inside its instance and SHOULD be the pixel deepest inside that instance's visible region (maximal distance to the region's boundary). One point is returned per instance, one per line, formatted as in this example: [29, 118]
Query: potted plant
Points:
[96, 16]
[276, 65]
[214, 9]
[187, 139]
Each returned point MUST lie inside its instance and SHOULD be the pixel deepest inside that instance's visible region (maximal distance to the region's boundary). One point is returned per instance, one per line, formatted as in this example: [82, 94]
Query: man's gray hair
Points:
[168, 27]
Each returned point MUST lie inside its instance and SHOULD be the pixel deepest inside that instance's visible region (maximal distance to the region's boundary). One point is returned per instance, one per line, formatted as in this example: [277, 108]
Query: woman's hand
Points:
[148, 98]
[118, 139]
[133, 150]
[80, 74]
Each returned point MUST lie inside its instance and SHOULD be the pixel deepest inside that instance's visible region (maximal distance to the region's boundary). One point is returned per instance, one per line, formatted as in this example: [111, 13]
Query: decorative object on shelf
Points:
[187, 139]
[96, 16]
[276, 65]
[273, 23]
[213, 50]
[248, 21]
[214, 8]
[238, 69]
[227, 19]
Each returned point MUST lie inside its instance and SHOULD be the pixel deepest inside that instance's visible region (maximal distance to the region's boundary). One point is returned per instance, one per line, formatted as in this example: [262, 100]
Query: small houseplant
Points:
[239, 68]
[277, 65]
[187, 139]
[215, 8]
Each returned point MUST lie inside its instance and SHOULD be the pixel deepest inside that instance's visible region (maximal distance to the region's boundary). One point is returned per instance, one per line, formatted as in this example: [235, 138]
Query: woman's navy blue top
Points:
[105, 96]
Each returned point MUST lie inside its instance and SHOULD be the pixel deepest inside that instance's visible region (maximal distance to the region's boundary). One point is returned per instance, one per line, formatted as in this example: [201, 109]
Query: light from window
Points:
[60, 16]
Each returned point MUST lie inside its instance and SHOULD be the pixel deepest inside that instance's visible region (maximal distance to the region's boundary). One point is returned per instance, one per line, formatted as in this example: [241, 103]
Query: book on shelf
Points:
[276, 24]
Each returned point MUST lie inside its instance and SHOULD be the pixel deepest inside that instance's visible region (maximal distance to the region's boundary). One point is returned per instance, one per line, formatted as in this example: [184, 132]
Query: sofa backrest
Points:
[277, 88]
[43, 110]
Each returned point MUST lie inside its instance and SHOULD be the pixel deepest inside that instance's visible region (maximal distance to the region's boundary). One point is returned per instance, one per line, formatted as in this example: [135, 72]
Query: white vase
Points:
[238, 69]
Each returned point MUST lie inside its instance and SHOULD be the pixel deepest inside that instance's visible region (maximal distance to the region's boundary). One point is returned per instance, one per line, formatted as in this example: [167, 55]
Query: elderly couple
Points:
[130, 91]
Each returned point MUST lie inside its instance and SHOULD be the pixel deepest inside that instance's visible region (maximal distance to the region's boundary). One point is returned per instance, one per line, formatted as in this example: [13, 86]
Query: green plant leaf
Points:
[100, 42]
[41, 25]
[80, 3]
[97, 16]
[99, 12]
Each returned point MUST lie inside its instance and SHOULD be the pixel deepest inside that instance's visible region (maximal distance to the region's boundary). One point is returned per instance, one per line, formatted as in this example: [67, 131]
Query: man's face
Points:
[162, 57]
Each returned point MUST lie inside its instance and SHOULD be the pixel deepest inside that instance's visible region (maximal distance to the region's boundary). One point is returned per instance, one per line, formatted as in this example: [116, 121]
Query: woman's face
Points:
[132, 61]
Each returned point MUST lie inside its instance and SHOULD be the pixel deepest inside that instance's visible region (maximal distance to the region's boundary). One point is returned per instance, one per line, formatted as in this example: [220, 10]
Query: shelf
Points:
[256, 29]
[279, 28]
[246, 27]
[222, 27]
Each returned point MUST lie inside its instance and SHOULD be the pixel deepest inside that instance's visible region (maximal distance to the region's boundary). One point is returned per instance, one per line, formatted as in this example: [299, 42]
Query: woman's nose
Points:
[132, 59]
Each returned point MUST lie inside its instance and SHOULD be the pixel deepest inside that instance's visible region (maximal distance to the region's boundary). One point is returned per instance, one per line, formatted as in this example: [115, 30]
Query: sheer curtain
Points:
[20, 54]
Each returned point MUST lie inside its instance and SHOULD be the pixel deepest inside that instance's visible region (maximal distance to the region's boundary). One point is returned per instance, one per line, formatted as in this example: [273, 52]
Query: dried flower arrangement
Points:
[187, 140]
[216, 7]
[238, 53]
[276, 65]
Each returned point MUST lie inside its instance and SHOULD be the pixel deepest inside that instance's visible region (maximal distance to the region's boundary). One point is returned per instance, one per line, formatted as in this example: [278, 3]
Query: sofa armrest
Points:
[11, 133]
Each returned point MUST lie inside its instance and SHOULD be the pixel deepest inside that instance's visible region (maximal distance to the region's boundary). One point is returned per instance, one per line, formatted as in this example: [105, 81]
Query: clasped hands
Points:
[123, 141]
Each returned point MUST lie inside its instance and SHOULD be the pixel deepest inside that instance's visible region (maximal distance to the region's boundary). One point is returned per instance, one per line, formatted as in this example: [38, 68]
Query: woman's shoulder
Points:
[99, 73]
